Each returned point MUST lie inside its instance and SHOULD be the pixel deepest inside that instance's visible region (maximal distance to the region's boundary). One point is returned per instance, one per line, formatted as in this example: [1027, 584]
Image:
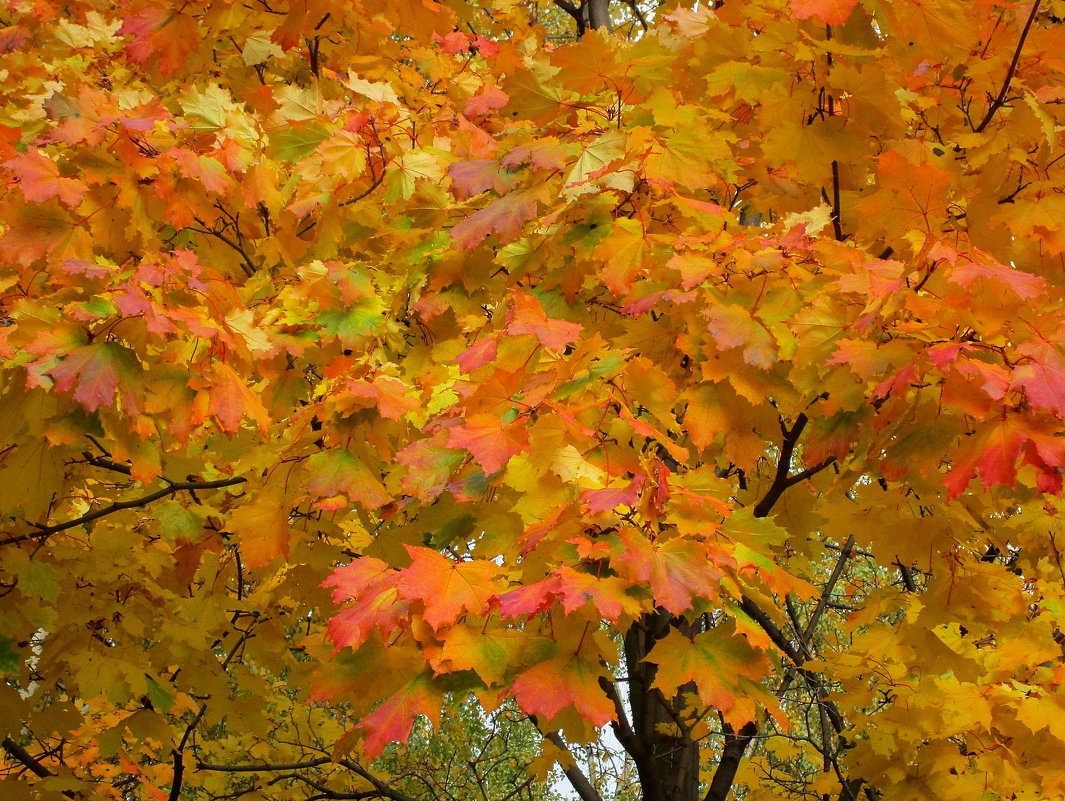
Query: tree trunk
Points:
[668, 759]
[597, 13]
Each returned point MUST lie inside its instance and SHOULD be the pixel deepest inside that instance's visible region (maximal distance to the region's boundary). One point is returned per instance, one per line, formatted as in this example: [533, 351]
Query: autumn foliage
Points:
[697, 378]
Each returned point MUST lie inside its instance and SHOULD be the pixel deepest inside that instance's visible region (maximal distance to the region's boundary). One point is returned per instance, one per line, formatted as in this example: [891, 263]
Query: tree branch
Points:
[1000, 101]
[585, 789]
[249, 267]
[756, 613]
[266, 766]
[179, 755]
[34, 765]
[826, 593]
[26, 758]
[837, 218]
[731, 755]
[106, 464]
[383, 788]
[117, 506]
[622, 728]
[781, 481]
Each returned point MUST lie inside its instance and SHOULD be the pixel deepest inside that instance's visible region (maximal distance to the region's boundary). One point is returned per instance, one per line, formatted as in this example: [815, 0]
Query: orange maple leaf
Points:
[447, 589]
[830, 12]
[39, 179]
[564, 680]
[486, 437]
[527, 316]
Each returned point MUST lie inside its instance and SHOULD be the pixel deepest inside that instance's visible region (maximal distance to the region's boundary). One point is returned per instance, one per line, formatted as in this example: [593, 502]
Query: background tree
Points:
[701, 381]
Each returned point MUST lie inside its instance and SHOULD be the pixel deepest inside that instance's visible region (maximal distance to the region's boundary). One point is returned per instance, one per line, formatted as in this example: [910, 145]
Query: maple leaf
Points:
[602, 500]
[225, 396]
[370, 585]
[339, 473]
[678, 569]
[567, 679]
[39, 179]
[159, 33]
[487, 438]
[1025, 285]
[97, 371]
[489, 652]
[1042, 376]
[830, 12]
[723, 667]
[504, 216]
[391, 722]
[263, 528]
[527, 316]
[477, 355]
[607, 594]
[734, 327]
[488, 98]
[447, 589]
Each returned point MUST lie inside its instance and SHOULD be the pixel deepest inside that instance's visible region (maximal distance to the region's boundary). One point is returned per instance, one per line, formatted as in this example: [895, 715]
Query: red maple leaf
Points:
[505, 216]
[391, 722]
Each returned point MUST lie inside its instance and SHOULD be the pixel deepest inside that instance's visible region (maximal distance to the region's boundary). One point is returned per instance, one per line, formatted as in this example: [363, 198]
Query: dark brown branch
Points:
[31, 763]
[265, 767]
[797, 655]
[383, 788]
[781, 481]
[373, 185]
[826, 593]
[26, 758]
[323, 791]
[809, 472]
[179, 755]
[117, 506]
[907, 577]
[837, 219]
[622, 728]
[635, 7]
[313, 50]
[758, 615]
[249, 266]
[106, 464]
[569, 8]
[585, 789]
[376, 183]
[1000, 101]
[731, 756]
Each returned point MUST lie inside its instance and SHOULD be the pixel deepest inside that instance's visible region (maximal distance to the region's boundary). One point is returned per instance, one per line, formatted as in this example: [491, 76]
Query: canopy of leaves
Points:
[701, 377]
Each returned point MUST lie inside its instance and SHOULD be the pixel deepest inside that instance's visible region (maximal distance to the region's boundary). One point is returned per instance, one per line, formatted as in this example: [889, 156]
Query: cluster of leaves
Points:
[707, 384]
